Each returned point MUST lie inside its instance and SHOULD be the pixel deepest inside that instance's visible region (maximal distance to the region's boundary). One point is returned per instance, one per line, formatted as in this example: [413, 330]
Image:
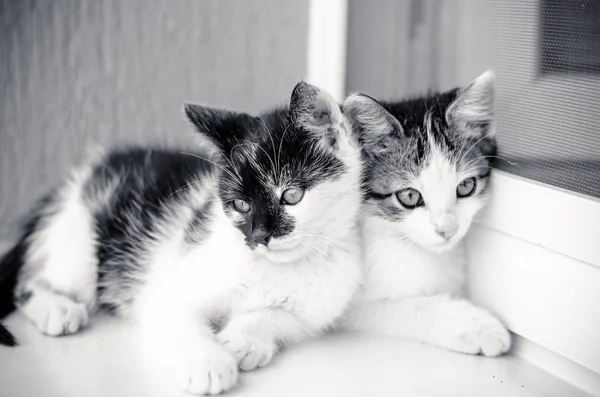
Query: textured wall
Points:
[74, 72]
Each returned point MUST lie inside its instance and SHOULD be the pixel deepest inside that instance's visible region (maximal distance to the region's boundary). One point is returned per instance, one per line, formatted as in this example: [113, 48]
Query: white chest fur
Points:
[316, 287]
[222, 276]
[396, 268]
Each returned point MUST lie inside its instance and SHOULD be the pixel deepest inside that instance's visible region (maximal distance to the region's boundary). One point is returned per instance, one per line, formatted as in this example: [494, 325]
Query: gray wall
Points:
[393, 46]
[112, 72]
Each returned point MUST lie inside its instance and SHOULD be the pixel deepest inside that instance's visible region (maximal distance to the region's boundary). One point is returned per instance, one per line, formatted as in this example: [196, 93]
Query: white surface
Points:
[556, 365]
[556, 219]
[546, 297]
[534, 259]
[103, 361]
[327, 31]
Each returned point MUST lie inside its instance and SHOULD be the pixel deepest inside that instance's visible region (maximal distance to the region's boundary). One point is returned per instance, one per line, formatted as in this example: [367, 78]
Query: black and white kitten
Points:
[427, 169]
[220, 262]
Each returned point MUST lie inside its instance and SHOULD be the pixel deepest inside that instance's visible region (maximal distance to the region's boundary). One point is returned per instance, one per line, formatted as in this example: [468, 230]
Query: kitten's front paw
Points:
[59, 315]
[209, 371]
[493, 339]
[250, 352]
[481, 333]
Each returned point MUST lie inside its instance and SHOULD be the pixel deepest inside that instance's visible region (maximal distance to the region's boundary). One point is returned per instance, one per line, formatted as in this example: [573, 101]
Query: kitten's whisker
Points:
[508, 161]
[333, 223]
[213, 163]
[226, 159]
[329, 241]
[475, 144]
[492, 156]
[474, 170]
[276, 170]
[319, 250]
[246, 142]
[279, 151]
[189, 185]
[185, 187]
[319, 237]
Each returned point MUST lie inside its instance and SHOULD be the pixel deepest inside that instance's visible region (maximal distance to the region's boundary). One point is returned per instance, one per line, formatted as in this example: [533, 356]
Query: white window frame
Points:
[562, 221]
[534, 260]
[326, 53]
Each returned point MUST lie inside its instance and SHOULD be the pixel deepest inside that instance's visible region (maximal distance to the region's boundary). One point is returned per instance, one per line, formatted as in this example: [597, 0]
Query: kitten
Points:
[221, 263]
[427, 170]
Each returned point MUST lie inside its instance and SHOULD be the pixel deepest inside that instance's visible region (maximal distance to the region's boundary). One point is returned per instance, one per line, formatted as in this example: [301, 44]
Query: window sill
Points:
[561, 221]
[534, 260]
[103, 361]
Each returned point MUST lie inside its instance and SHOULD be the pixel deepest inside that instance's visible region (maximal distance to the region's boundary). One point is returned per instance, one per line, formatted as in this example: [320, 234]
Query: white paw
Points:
[249, 351]
[59, 315]
[493, 339]
[481, 333]
[211, 371]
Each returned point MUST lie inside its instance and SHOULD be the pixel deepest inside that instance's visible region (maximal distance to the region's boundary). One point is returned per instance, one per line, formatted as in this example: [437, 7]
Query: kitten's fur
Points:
[414, 258]
[155, 236]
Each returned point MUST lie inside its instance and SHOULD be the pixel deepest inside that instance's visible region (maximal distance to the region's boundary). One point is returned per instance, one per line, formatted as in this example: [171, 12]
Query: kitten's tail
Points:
[10, 265]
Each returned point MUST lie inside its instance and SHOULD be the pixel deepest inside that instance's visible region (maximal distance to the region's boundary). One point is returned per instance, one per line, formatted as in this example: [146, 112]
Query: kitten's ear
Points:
[473, 109]
[221, 127]
[317, 112]
[373, 124]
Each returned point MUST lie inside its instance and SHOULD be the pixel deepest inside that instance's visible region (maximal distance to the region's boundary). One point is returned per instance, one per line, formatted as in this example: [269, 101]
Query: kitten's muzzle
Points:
[446, 225]
[260, 236]
[447, 234]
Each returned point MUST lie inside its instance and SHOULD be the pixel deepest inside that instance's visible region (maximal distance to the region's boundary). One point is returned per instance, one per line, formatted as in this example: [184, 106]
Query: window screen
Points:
[569, 39]
[549, 92]
[546, 54]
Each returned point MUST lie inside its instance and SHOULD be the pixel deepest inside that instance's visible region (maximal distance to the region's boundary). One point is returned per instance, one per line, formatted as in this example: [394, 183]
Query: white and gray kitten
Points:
[222, 262]
[427, 169]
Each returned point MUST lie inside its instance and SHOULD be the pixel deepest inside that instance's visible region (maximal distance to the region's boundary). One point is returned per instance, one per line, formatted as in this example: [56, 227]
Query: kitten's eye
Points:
[292, 196]
[410, 198]
[241, 206]
[466, 188]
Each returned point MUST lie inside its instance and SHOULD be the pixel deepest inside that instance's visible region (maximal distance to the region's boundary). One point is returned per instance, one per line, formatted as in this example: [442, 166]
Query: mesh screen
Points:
[547, 57]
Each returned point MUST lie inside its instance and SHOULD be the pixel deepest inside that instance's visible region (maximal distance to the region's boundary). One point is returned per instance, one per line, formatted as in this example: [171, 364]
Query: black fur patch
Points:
[6, 338]
[21, 297]
[286, 147]
[280, 155]
[130, 193]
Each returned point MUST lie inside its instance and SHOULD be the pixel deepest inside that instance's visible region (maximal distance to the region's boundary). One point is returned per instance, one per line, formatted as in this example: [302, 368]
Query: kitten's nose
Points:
[261, 236]
[446, 225]
[447, 234]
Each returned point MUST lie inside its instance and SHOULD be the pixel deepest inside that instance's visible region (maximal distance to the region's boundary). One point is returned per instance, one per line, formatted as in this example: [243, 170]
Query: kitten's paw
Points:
[493, 340]
[59, 315]
[484, 334]
[210, 371]
[249, 351]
